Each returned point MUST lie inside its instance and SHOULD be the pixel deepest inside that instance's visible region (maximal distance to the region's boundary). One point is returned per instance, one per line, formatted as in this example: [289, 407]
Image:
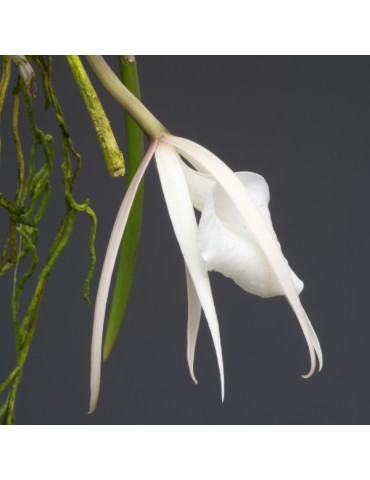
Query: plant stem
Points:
[4, 80]
[26, 73]
[112, 153]
[143, 117]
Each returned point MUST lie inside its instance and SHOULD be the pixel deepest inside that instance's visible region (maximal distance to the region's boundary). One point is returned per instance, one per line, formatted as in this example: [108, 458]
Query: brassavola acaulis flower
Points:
[235, 236]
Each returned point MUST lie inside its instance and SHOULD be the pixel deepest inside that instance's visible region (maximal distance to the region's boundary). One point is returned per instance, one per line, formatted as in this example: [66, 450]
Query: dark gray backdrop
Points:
[303, 123]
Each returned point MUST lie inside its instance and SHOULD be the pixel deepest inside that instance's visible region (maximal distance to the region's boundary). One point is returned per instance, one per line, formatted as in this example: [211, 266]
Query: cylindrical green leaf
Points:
[131, 237]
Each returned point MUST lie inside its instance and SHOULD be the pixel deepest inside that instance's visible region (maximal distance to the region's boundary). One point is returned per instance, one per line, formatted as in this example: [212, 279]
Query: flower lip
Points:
[228, 245]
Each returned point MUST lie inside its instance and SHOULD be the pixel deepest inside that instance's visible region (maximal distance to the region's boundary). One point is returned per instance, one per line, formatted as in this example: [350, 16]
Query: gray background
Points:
[303, 123]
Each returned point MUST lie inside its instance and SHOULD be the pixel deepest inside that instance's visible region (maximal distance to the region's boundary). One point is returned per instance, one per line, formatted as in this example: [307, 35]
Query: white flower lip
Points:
[229, 212]
[228, 245]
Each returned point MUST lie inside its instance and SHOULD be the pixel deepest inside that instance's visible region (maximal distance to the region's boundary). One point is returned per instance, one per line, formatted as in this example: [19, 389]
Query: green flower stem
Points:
[112, 153]
[143, 117]
[131, 237]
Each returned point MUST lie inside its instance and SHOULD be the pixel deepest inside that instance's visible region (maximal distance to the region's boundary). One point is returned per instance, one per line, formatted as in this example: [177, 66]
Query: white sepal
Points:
[200, 186]
[194, 313]
[106, 277]
[183, 220]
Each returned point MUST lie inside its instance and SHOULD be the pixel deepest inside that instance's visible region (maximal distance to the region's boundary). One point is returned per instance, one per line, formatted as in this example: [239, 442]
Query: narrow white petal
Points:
[183, 219]
[202, 159]
[106, 276]
[194, 313]
[316, 343]
[199, 184]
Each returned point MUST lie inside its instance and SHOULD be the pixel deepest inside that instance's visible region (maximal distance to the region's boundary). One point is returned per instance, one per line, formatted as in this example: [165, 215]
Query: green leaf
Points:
[131, 237]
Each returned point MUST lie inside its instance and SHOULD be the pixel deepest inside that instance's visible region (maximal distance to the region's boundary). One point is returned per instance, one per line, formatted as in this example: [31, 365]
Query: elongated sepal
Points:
[183, 220]
[194, 313]
[106, 277]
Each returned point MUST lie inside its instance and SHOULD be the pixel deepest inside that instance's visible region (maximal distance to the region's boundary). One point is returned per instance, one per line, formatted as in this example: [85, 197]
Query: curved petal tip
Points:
[92, 407]
[311, 371]
[193, 378]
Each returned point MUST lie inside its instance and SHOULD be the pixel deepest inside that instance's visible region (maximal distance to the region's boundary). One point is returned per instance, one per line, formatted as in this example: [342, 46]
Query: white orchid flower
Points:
[235, 236]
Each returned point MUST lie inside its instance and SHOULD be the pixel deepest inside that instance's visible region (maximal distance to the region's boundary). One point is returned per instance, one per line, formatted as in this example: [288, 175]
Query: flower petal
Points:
[259, 192]
[202, 159]
[194, 313]
[106, 276]
[200, 185]
[182, 216]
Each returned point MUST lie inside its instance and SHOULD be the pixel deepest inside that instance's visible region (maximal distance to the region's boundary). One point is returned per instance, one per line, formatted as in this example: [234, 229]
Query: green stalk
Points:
[112, 153]
[4, 80]
[26, 73]
[131, 237]
[4, 83]
[143, 117]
